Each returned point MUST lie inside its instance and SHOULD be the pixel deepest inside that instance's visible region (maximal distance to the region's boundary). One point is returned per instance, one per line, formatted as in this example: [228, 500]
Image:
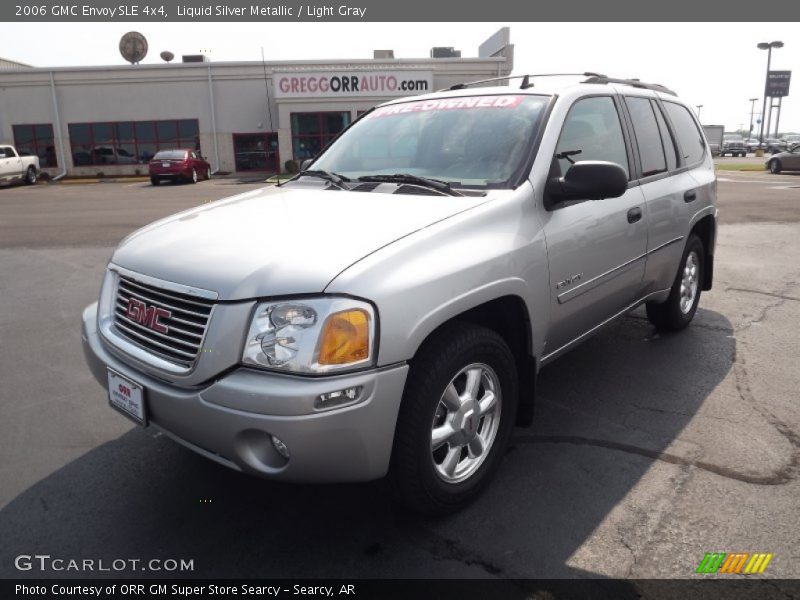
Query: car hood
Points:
[278, 240]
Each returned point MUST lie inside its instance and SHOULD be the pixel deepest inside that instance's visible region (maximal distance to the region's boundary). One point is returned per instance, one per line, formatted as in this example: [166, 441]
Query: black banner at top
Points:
[408, 11]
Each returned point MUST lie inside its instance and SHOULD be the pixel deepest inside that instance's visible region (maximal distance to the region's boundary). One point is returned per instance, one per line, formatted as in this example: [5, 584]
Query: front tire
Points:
[678, 310]
[30, 176]
[193, 177]
[775, 166]
[457, 414]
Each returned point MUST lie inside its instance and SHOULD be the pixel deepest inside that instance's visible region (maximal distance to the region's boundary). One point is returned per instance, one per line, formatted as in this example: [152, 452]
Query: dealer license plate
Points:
[127, 397]
[165, 164]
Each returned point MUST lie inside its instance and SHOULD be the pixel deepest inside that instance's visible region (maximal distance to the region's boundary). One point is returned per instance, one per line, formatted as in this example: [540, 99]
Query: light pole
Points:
[698, 107]
[768, 46]
[752, 112]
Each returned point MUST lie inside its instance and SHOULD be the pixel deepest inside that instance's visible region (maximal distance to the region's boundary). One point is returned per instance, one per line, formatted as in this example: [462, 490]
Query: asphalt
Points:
[647, 451]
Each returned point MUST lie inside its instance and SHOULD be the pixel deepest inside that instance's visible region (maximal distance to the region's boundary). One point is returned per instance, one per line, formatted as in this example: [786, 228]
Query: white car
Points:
[15, 167]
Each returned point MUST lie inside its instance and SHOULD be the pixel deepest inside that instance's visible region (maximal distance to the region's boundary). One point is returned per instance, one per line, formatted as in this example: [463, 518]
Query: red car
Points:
[183, 164]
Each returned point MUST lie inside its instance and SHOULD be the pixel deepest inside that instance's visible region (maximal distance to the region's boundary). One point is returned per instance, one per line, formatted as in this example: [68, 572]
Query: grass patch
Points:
[740, 167]
[279, 178]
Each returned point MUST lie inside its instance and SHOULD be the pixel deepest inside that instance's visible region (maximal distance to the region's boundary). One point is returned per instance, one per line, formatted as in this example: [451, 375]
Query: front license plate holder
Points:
[127, 397]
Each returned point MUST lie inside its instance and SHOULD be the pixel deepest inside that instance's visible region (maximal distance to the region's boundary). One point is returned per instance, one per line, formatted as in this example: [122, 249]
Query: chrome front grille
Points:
[167, 324]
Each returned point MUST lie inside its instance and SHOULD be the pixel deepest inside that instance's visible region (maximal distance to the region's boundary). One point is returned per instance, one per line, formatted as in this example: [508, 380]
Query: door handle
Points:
[634, 214]
[690, 196]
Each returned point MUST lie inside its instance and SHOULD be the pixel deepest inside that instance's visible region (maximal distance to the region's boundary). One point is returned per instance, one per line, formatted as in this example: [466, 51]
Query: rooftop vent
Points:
[445, 52]
[383, 54]
[194, 58]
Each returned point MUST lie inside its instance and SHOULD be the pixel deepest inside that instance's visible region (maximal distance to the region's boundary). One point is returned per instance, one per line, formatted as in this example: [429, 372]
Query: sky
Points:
[716, 65]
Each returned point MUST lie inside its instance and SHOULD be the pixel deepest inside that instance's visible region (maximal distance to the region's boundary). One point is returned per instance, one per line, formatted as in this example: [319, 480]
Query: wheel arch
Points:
[509, 317]
[706, 230]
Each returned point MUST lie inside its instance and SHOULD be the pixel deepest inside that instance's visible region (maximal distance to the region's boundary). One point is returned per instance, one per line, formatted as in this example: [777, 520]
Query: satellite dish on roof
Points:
[133, 47]
[167, 56]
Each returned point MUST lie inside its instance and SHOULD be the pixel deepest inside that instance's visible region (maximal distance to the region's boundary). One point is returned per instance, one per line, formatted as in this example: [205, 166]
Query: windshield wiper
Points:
[434, 184]
[334, 178]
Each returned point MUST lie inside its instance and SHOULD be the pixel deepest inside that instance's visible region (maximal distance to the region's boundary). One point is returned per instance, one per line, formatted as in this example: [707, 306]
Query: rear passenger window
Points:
[689, 136]
[648, 137]
[593, 128]
[670, 149]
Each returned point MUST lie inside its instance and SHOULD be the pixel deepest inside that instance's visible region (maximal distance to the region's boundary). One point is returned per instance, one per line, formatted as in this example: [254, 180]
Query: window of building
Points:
[648, 138]
[689, 136]
[312, 131]
[36, 140]
[592, 127]
[256, 152]
[129, 142]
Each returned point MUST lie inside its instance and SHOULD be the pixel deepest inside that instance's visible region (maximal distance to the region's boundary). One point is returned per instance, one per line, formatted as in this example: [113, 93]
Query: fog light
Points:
[339, 397]
[280, 447]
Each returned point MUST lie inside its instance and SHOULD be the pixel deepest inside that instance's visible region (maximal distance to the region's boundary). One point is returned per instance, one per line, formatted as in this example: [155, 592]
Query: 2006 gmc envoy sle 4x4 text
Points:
[386, 311]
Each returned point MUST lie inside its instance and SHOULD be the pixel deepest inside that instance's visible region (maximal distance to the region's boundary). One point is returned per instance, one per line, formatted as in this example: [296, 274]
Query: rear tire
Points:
[30, 176]
[457, 414]
[775, 166]
[678, 310]
[155, 180]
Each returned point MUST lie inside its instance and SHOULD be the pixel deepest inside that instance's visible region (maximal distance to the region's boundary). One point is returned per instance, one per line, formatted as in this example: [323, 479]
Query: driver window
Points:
[593, 128]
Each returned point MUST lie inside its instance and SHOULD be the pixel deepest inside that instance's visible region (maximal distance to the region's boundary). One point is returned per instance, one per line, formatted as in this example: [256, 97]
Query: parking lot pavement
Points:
[98, 214]
[752, 197]
[647, 451]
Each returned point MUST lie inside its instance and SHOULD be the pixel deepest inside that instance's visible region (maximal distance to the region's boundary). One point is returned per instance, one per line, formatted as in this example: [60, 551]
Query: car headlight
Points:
[311, 335]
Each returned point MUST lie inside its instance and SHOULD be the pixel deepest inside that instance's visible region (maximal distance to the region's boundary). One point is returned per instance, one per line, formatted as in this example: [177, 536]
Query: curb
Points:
[104, 180]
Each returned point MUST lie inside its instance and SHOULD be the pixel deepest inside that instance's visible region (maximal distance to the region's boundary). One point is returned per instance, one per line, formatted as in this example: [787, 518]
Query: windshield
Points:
[170, 154]
[471, 141]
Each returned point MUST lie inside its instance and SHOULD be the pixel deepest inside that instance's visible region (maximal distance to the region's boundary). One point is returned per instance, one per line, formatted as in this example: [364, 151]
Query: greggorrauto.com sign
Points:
[352, 83]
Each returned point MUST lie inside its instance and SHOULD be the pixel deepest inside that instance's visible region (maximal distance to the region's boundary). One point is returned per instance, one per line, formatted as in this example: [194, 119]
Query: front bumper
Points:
[231, 420]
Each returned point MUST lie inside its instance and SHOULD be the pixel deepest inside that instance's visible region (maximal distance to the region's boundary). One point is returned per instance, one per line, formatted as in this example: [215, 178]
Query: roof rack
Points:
[632, 82]
[525, 80]
[591, 78]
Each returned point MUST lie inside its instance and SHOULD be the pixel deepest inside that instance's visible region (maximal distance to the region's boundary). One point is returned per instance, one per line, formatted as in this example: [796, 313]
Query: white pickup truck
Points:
[13, 166]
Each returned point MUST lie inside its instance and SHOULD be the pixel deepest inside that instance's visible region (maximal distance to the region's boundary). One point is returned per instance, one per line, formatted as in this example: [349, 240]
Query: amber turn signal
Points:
[345, 338]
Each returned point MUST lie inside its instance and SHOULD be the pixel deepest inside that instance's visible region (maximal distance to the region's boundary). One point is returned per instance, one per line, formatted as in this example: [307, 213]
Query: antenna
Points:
[133, 47]
[266, 88]
[167, 56]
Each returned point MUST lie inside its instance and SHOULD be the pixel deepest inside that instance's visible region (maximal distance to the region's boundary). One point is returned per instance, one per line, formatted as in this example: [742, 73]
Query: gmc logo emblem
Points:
[149, 316]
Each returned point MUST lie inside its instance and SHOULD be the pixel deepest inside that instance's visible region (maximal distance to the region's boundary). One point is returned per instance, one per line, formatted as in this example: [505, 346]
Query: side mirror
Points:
[589, 180]
[306, 163]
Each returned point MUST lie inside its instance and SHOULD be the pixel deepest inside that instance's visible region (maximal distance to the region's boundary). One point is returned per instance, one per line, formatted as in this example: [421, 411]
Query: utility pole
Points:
[752, 111]
[778, 117]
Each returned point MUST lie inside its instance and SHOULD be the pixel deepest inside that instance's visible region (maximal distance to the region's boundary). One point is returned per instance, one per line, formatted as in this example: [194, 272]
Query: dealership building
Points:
[242, 116]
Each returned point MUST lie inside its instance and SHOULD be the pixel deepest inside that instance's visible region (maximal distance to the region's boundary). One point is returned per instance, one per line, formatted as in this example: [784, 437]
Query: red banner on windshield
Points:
[504, 101]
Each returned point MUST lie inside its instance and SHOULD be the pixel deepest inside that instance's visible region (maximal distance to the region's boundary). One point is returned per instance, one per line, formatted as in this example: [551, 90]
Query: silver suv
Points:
[386, 311]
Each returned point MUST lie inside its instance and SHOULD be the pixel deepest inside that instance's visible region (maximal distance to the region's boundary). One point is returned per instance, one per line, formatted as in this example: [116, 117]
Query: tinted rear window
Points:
[689, 136]
[648, 137]
[170, 154]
